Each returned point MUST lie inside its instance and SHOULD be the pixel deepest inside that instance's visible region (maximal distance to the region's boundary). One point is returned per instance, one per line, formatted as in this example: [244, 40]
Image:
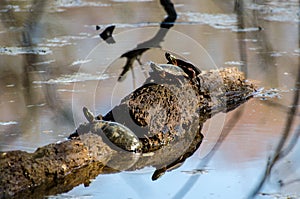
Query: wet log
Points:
[166, 113]
[51, 169]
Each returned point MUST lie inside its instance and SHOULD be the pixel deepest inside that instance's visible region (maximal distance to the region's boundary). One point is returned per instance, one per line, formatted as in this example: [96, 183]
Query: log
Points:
[166, 113]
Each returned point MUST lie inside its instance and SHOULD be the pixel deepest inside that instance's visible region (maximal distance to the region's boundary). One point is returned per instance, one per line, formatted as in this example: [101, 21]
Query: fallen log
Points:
[166, 114]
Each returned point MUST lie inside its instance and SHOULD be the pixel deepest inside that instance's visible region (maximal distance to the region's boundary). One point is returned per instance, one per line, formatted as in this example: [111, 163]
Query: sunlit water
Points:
[65, 67]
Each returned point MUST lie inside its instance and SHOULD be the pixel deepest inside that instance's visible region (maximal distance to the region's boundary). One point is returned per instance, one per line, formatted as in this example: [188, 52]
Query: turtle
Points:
[169, 68]
[187, 67]
[192, 71]
[119, 135]
[167, 73]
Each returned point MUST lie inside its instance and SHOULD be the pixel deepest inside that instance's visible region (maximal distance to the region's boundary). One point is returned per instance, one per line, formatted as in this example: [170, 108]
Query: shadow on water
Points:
[268, 65]
[29, 33]
[135, 54]
[238, 7]
[280, 152]
[284, 146]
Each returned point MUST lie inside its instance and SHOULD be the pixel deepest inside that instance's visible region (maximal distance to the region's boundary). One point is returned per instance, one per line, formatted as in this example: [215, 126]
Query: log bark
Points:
[165, 113]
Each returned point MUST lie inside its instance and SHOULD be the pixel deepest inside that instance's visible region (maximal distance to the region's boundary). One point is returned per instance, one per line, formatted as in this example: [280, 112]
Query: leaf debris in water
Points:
[276, 10]
[264, 94]
[218, 21]
[77, 77]
[279, 196]
[77, 3]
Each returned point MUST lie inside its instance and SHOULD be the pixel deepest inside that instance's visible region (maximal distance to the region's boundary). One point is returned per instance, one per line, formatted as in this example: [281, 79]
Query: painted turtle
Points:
[168, 68]
[187, 67]
[192, 71]
[116, 133]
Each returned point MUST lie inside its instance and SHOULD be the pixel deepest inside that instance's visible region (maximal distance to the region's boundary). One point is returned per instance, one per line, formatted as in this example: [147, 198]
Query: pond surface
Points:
[71, 66]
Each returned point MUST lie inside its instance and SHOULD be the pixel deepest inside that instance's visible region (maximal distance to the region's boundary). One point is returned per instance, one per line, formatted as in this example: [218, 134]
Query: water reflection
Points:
[30, 117]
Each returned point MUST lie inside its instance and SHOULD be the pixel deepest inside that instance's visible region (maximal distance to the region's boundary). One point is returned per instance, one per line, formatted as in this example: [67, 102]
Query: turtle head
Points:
[155, 67]
[88, 114]
[171, 59]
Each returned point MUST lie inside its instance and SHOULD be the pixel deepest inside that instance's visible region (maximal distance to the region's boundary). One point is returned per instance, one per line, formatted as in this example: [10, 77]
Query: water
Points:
[72, 66]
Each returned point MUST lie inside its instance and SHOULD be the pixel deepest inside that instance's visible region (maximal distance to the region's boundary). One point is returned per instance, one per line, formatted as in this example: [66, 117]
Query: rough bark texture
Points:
[165, 113]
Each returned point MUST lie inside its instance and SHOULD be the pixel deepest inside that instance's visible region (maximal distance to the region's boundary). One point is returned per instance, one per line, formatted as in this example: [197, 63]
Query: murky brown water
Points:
[66, 72]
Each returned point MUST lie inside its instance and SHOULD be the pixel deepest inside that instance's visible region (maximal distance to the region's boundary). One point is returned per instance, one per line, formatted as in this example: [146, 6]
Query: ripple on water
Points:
[276, 10]
[297, 52]
[43, 62]
[218, 21]
[235, 63]
[8, 123]
[77, 77]
[265, 94]
[75, 3]
[24, 50]
[64, 40]
[79, 62]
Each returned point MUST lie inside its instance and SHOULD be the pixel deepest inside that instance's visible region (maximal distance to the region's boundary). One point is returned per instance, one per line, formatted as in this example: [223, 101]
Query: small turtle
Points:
[167, 73]
[116, 133]
[187, 67]
[169, 68]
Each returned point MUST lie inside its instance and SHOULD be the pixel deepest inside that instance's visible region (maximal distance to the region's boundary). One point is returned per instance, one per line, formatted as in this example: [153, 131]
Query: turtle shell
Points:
[121, 136]
[168, 68]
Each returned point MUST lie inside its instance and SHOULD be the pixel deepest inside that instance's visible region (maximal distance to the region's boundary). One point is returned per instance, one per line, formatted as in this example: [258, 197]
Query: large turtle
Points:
[168, 68]
[167, 74]
[116, 133]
